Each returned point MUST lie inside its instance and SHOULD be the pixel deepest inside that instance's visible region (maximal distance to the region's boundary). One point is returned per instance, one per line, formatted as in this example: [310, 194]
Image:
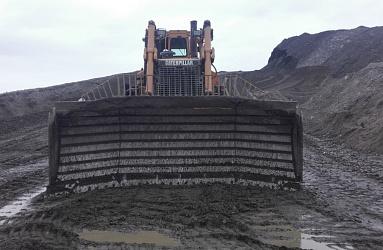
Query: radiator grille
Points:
[179, 81]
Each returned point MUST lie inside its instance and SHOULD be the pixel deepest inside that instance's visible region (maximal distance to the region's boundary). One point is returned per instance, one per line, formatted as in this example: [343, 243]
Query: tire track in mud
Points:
[348, 183]
[354, 193]
[207, 216]
[18, 180]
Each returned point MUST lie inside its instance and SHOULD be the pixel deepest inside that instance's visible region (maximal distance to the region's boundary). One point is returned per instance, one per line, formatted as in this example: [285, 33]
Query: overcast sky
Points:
[48, 42]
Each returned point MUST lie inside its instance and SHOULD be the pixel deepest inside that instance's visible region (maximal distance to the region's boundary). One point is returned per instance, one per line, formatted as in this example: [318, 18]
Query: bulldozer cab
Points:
[176, 43]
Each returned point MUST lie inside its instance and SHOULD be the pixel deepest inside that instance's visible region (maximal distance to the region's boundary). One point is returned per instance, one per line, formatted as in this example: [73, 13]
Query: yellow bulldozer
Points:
[179, 62]
[177, 121]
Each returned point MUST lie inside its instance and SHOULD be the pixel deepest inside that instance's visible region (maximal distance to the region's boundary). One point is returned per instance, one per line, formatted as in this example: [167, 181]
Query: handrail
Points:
[235, 85]
[132, 84]
[125, 84]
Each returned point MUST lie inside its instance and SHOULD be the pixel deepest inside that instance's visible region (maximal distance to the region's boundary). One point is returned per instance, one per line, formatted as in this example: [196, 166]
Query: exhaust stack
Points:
[193, 40]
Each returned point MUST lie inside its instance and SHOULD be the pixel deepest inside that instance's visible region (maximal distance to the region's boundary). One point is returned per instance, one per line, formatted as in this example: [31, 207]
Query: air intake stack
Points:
[193, 40]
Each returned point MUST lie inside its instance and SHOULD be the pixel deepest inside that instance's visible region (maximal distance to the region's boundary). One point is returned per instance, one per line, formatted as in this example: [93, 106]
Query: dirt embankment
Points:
[337, 78]
[350, 109]
[24, 120]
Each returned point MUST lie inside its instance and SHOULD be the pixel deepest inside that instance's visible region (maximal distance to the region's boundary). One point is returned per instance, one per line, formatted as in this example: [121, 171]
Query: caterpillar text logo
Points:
[178, 63]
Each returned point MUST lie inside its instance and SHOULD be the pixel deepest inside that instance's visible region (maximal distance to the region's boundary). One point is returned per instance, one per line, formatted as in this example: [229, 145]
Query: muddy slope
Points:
[337, 77]
[24, 117]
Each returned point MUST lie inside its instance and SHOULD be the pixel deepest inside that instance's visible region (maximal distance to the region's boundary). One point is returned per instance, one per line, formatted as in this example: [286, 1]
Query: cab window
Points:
[178, 46]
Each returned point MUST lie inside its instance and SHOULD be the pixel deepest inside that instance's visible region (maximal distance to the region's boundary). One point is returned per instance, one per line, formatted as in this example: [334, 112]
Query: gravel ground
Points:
[340, 206]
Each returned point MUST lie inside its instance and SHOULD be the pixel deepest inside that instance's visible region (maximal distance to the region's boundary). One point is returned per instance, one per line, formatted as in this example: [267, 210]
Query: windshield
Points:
[178, 46]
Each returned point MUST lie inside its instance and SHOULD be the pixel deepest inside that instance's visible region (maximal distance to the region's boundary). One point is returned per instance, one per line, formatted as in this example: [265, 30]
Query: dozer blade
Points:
[174, 140]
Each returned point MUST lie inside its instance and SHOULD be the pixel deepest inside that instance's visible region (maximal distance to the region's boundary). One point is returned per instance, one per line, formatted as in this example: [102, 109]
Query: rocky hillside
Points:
[337, 77]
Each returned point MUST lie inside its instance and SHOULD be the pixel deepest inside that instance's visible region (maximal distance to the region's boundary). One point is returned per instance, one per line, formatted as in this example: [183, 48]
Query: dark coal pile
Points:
[337, 76]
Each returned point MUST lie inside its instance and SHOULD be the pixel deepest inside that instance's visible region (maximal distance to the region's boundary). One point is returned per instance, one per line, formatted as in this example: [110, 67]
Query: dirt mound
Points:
[350, 109]
[342, 51]
[25, 102]
[336, 76]
[24, 119]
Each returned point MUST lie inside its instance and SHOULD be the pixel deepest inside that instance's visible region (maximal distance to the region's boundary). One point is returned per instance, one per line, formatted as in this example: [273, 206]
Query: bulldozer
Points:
[172, 65]
[175, 122]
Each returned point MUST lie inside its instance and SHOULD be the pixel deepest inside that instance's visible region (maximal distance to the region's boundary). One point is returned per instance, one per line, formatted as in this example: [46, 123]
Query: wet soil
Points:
[340, 206]
[140, 237]
[20, 179]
